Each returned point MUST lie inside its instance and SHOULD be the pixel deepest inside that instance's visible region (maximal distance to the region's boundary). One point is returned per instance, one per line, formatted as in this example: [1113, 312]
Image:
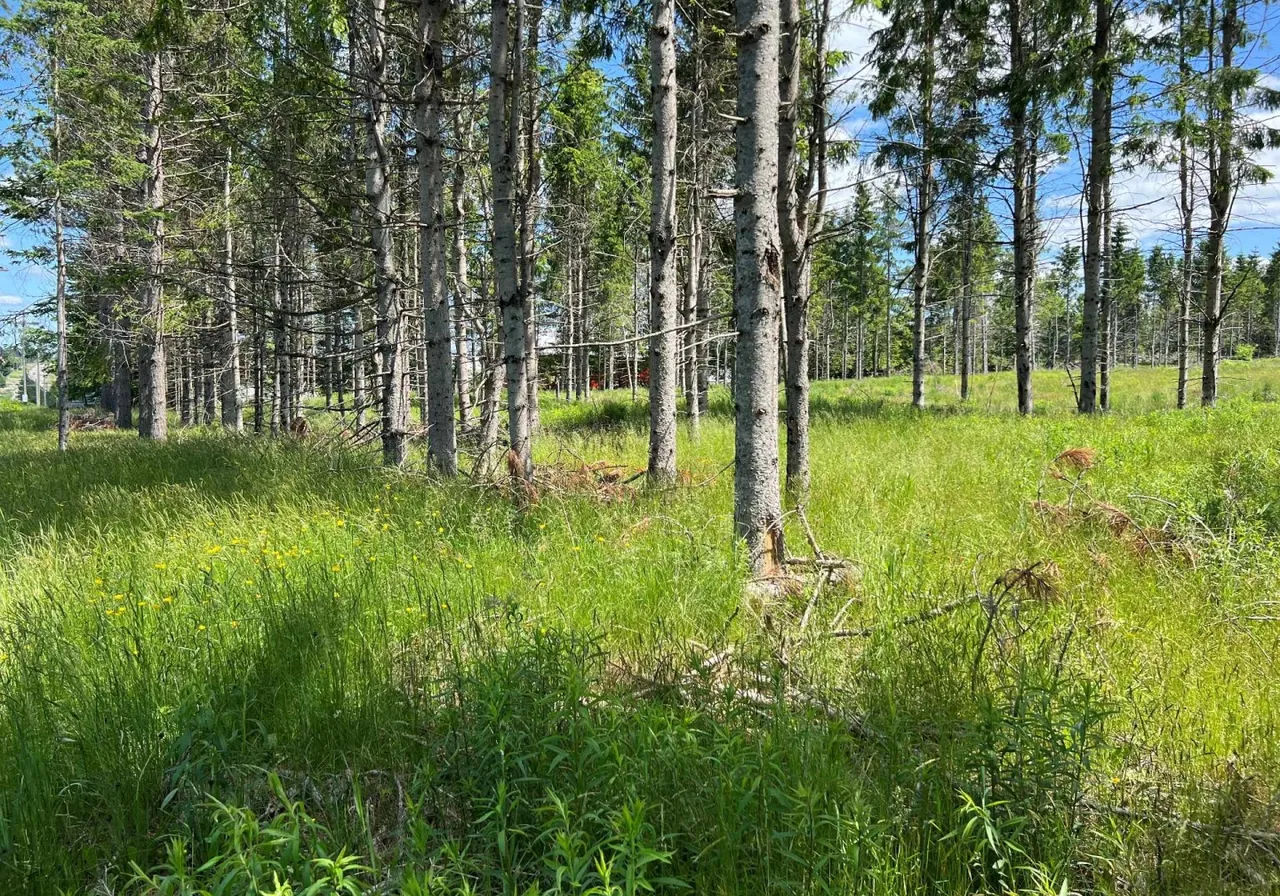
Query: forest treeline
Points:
[427, 213]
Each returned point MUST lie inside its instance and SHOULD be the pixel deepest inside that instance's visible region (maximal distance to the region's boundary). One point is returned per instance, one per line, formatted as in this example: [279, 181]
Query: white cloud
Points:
[12, 300]
[852, 33]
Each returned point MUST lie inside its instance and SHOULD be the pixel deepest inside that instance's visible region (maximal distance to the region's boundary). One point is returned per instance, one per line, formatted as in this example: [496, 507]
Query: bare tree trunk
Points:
[1099, 177]
[442, 440]
[1221, 184]
[526, 77]
[634, 371]
[186, 388]
[461, 291]
[799, 220]
[260, 366]
[757, 283]
[1106, 356]
[378, 192]
[153, 416]
[60, 257]
[504, 151]
[1023, 224]
[663, 288]
[228, 322]
[966, 302]
[279, 397]
[208, 372]
[698, 240]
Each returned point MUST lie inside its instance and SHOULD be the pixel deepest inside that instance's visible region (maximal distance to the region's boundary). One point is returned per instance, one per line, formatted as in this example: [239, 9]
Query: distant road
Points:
[12, 386]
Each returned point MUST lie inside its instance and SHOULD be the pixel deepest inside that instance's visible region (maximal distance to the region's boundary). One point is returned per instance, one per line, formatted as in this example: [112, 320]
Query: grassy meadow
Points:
[237, 666]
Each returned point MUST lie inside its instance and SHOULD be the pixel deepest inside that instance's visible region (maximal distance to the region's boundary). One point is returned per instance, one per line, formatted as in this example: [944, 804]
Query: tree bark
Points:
[663, 287]
[504, 150]
[757, 284]
[526, 77]
[799, 219]
[442, 444]
[1099, 177]
[966, 301]
[228, 322]
[461, 292]
[378, 192]
[1023, 223]
[1106, 310]
[153, 409]
[1221, 188]
[923, 213]
[60, 255]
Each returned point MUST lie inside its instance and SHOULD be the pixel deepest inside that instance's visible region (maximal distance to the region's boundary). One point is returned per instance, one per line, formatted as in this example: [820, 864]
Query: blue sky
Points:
[1146, 198]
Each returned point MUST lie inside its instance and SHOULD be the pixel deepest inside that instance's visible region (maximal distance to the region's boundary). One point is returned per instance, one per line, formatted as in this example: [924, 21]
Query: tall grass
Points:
[230, 665]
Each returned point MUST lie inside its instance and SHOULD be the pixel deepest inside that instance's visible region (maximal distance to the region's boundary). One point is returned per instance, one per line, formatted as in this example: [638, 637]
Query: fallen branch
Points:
[934, 613]
[819, 562]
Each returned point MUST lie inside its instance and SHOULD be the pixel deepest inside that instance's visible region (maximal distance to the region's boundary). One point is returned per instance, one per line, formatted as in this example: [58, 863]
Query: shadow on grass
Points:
[471, 735]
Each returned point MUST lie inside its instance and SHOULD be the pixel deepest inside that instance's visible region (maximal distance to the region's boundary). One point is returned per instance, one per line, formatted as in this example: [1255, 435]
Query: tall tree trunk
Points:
[799, 219]
[461, 292]
[1023, 223]
[526, 76]
[1221, 188]
[504, 151]
[279, 393]
[757, 508]
[379, 193]
[663, 287]
[208, 372]
[1107, 311]
[228, 322]
[60, 255]
[701, 347]
[442, 444]
[1099, 177]
[923, 212]
[153, 409]
[966, 301]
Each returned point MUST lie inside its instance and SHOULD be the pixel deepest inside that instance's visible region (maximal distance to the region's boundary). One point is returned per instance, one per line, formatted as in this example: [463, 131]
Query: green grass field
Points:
[235, 666]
